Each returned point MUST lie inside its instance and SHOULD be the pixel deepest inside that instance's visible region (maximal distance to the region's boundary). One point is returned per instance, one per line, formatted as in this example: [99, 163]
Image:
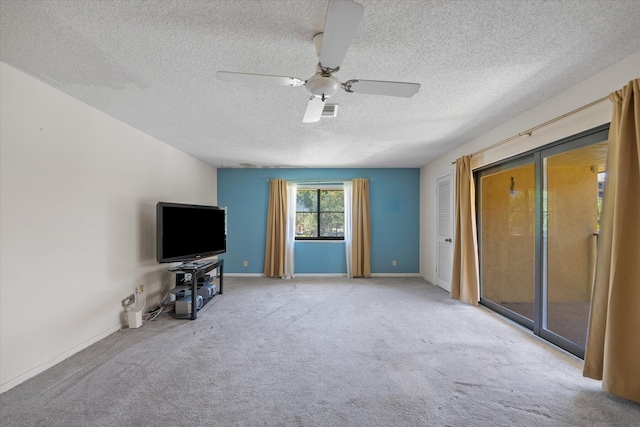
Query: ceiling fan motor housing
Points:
[323, 85]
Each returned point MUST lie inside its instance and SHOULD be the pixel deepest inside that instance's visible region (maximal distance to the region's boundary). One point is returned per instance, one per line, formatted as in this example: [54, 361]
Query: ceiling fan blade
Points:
[376, 87]
[343, 17]
[314, 110]
[259, 78]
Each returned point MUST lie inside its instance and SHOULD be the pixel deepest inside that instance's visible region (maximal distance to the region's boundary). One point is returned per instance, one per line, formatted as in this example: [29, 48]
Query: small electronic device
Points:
[207, 291]
[181, 291]
[183, 305]
[134, 318]
[204, 279]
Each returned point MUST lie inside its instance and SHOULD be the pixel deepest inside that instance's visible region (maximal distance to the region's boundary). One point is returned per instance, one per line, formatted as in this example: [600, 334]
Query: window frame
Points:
[319, 188]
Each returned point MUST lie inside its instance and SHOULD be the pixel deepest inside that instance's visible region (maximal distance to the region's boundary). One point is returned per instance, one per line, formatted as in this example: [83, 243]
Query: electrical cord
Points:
[150, 315]
[153, 314]
[144, 299]
[128, 304]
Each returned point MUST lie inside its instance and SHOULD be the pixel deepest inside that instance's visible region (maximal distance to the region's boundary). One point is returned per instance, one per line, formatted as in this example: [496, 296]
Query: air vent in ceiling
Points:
[330, 110]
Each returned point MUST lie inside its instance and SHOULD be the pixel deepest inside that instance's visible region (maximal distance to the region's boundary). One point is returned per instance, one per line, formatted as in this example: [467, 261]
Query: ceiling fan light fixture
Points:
[323, 85]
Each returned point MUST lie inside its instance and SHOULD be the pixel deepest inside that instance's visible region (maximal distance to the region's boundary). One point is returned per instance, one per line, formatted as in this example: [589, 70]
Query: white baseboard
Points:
[51, 363]
[395, 275]
[296, 275]
[326, 274]
[320, 274]
[243, 274]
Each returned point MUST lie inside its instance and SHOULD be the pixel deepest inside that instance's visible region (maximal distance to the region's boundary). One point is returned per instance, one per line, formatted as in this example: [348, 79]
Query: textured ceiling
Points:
[152, 64]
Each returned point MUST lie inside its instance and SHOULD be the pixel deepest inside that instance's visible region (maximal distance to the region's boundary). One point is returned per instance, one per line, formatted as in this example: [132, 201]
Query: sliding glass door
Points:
[573, 186]
[507, 230]
[538, 223]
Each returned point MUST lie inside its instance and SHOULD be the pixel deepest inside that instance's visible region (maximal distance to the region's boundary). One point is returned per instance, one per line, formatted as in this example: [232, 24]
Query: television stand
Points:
[196, 271]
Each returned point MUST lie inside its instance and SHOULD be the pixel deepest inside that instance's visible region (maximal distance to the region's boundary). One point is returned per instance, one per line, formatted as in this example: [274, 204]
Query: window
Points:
[320, 213]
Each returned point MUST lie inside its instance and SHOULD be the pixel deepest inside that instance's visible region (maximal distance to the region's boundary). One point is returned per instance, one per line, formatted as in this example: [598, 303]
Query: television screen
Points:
[190, 232]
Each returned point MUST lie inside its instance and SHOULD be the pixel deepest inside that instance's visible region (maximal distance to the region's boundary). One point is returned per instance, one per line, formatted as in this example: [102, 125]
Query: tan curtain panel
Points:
[361, 230]
[276, 229]
[613, 340]
[464, 277]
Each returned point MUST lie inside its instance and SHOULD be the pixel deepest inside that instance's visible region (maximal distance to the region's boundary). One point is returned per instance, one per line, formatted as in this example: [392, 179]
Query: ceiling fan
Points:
[343, 17]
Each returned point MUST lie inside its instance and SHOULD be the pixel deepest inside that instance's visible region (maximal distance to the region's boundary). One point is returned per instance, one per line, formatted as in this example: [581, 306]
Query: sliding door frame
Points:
[536, 156]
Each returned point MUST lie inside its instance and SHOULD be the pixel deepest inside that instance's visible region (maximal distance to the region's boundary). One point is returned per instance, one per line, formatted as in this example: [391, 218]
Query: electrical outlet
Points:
[394, 263]
[246, 264]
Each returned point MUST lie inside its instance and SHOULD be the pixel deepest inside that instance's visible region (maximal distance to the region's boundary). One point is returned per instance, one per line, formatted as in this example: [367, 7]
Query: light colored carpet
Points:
[320, 352]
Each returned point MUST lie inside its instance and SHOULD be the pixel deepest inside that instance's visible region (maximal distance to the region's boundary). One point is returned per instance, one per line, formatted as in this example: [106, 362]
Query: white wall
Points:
[589, 90]
[77, 220]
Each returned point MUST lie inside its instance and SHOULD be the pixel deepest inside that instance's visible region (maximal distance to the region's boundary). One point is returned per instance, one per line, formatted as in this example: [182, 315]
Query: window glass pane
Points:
[573, 198]
[508, 231]
[323, 221]
[601, 178]
[307, 201]
[332, 224]
[306, 224]
[331, 201]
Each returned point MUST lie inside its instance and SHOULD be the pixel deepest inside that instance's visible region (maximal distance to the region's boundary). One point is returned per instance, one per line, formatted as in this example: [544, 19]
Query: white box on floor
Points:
[134, 318]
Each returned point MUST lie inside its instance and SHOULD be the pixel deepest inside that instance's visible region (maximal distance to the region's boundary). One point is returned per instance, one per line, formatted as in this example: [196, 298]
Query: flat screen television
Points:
[188, 233]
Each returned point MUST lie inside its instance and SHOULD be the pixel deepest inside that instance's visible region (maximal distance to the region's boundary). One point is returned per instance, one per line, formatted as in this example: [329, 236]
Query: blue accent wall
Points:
[395, 222]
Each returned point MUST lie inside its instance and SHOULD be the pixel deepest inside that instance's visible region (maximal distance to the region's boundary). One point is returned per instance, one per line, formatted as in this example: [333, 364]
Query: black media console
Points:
[195, 271]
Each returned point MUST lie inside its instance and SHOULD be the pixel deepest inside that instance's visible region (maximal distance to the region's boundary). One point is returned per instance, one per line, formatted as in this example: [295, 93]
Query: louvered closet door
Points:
[444, 228]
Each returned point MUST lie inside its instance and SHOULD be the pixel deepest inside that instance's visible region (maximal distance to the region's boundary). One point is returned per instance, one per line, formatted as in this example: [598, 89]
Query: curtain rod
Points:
[535, 128]
[319, 181]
